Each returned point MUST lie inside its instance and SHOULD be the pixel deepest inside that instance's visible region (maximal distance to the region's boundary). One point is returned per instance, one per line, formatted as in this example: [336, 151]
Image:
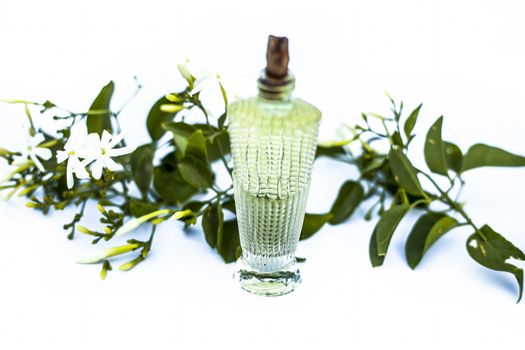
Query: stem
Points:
[221, 151]
[138, 87]
[150, 240]
[445, 198]
[76, 219]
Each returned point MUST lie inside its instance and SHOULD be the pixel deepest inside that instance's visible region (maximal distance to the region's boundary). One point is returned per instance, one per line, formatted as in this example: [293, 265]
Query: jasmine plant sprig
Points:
[93, 150]
[395, 182]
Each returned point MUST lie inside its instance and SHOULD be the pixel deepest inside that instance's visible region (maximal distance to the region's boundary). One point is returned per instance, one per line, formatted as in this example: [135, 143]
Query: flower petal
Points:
[78, 167]
[69, 174]
[116, 140]
[61, 156]
[112, 165]
[37, 162]
[120, 151]
[44, 153]
[96, 169]
[37, 139]
[105, 139]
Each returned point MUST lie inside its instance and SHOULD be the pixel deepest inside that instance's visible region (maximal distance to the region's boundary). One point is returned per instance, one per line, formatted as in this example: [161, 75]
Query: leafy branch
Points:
[392, 177]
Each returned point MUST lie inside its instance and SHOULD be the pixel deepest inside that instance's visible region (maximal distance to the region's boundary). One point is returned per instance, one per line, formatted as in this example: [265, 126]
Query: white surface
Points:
[462, 59]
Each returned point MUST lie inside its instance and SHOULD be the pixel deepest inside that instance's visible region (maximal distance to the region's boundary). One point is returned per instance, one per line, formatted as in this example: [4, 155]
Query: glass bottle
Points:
[273, 142]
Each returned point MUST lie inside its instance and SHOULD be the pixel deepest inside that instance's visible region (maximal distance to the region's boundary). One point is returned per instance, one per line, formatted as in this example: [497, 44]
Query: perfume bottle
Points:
[273, 142]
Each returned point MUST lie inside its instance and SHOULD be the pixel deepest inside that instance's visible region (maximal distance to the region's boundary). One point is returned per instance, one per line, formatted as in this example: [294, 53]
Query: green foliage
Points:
[492, 250]
[375, 258]
[99, 114]
[195, 172]
[212, 224]
[481, 155]
[386, 226]
[453, 157]
[313, 223]
[157, 118]
[142, 167]
[170, 185]
[428, 229]
[181, 187]
[410, 123]
[435, 149]
[348, 199]
[229, 245]
[404, 172]
[393, 176]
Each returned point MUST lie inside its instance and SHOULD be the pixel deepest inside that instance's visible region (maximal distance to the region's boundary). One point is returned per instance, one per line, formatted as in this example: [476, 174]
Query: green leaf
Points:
[196, 147]
[229, 205]
[435, 149]
[375, 258]
[224, 95]
[453, 156]
[386, 226]
[330, 152]
[195, 172]
[194, 206]
[404, 172]
[492, 250]
[140, 208]
[222, 120]
[229, 243]
[397, 140]
[427, 230]
[142, 167]
[313, 223]
[375, 163]
[181, 133]
[99, 114]
[410, 123]
[156, 118]
[348, 199]
[217, 145]
[481, 155]
[212, 223]
[169, 183]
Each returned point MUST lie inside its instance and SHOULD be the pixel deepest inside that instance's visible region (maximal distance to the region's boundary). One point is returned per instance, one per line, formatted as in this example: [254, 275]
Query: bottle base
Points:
[269, 284]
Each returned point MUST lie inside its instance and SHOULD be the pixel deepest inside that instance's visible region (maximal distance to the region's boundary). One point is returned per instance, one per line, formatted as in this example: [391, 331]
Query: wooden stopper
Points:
[277, 57]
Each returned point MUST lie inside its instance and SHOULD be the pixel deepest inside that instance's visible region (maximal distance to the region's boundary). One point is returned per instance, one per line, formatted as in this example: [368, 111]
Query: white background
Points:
[464, 60]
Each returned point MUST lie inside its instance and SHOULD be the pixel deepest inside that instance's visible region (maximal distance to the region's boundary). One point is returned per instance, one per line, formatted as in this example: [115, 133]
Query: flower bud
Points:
[134, 223]
[107, 253]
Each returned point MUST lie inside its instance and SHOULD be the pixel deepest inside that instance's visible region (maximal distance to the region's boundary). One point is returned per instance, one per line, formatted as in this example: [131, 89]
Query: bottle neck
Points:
[276, 89]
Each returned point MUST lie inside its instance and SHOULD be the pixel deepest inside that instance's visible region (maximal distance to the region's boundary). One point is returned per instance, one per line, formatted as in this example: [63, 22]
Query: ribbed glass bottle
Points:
[273, 142]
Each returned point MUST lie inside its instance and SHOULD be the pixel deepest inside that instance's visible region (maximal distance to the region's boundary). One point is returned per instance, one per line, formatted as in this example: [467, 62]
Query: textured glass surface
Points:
[273, 147]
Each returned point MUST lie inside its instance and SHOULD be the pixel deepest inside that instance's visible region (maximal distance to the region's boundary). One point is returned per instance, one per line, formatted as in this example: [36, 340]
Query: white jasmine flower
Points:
[103, 149]
[211, 91]
[208, 82]
[34, 152]
[75, 148]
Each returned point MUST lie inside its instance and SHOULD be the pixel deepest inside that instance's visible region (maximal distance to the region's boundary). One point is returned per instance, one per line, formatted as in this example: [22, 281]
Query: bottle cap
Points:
[277, 57]
[276, 81]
